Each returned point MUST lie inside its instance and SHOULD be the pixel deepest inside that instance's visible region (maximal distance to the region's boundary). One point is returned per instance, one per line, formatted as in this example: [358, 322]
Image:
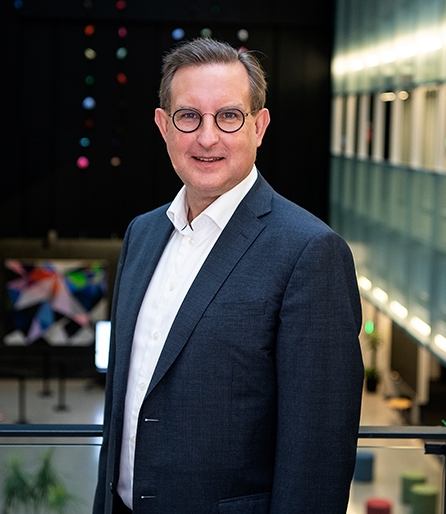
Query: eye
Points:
[230, 115]
[188, 115]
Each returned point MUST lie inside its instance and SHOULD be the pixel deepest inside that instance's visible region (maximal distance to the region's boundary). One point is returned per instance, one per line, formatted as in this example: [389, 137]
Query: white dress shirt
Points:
[183, 256]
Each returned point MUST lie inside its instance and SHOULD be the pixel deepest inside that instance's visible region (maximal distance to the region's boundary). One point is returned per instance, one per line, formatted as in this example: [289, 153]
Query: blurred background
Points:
[82, 155]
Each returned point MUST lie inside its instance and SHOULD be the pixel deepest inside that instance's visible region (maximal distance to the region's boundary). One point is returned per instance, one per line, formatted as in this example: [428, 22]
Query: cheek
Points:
[174, 146]
[246, 148]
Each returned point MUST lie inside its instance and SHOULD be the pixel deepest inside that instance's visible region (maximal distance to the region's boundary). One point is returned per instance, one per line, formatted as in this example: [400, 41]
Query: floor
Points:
[73, 401]
[81, 401]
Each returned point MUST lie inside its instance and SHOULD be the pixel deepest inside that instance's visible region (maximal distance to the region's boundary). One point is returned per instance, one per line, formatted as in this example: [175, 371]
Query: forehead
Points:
[211, 83]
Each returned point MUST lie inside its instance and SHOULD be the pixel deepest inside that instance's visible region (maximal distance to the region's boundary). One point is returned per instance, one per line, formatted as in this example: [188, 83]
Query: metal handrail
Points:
[50, 430]
[437, 433]
[81, 430]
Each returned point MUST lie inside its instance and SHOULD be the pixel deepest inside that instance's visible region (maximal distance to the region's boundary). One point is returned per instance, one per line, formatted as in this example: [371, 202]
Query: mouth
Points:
[208, 159]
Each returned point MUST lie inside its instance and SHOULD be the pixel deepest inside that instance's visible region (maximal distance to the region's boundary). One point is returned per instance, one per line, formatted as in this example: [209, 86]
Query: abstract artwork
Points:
[56, 301]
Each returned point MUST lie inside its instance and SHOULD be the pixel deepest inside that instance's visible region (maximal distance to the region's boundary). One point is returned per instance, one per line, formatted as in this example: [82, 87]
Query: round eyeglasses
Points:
[227, 120]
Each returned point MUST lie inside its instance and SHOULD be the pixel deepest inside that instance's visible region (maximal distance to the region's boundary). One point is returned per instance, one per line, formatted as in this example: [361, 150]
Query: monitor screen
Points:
[102, 345]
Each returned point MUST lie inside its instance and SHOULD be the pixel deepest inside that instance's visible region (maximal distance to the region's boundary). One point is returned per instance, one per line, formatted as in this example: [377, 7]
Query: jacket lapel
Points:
[150, 244]
[239, 234]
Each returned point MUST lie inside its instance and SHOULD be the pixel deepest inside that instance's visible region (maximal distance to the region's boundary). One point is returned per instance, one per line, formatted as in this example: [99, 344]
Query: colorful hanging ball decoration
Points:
[89, 103]
[90, 54]
[121, 78]
[122, 32]
[121, 53]
[178, 34]
[89, 30]
[206, 32]
[82, 162]
[243, 35]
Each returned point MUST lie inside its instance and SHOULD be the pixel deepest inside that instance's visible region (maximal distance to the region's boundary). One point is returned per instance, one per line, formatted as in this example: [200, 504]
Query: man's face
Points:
[209, 161]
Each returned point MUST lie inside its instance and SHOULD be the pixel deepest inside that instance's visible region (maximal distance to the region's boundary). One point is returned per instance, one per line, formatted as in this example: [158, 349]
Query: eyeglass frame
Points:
[245, 115]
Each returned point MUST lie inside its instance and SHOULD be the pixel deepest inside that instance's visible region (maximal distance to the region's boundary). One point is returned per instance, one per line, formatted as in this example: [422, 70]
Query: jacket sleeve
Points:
[320, 377]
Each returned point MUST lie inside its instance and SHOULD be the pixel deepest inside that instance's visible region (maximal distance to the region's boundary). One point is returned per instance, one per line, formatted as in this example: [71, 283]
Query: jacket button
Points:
[112, 487]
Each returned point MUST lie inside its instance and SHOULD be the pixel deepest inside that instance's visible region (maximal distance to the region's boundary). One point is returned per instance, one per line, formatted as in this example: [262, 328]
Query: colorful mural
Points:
[57, 301]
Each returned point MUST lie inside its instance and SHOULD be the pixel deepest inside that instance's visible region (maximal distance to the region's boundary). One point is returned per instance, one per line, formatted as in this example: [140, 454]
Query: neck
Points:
[195, 209]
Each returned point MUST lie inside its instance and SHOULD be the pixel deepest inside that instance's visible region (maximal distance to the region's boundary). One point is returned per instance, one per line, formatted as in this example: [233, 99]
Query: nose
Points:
[208, 133]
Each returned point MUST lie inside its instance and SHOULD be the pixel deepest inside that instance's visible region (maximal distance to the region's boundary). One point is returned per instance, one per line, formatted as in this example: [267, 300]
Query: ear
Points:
[262, 122]
[162, 121]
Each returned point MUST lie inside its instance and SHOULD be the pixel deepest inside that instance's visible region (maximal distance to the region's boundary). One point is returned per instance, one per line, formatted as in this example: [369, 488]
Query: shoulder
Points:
[145, 221]
[288, 226]
[283, 214]
[146, 231]
[295, 217]
[302, 233]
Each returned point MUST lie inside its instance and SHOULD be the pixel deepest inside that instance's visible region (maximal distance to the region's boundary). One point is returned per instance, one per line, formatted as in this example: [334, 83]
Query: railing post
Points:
[438, 448]
[22, 400]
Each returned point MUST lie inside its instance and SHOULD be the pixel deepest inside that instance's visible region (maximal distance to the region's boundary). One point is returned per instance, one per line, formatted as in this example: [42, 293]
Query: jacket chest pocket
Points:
[235, 309]
[252, 504]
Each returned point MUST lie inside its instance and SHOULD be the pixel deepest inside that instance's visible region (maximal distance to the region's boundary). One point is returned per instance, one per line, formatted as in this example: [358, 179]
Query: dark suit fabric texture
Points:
[254, 405]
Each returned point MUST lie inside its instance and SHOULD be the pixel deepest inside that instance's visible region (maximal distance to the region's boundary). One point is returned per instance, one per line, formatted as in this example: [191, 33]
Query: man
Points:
[235, 373]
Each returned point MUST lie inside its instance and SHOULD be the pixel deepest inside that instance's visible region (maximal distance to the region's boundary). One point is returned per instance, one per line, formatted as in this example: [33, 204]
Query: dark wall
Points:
[43, 118]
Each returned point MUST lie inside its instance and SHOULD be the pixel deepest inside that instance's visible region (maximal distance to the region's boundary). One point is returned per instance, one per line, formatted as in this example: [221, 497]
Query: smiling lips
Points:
[210, 159]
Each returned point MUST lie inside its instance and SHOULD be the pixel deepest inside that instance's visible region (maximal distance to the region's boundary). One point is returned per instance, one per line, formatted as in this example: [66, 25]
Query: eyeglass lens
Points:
[228, 120]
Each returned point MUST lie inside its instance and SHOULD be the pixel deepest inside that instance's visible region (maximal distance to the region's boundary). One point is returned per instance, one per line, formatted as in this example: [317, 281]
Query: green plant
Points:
[374, 341]
[42, 493]
[371, 372]
[16, 488]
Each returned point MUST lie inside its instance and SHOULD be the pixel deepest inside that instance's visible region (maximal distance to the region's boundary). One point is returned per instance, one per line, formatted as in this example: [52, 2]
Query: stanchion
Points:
[61, 390]
[22, 400]
[46, 373]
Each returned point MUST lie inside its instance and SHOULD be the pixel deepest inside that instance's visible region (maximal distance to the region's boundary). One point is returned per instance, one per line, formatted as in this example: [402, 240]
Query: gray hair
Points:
[202, 51]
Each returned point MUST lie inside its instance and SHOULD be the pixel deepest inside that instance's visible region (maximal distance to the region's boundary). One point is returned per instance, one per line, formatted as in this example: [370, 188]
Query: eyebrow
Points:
[233, 106]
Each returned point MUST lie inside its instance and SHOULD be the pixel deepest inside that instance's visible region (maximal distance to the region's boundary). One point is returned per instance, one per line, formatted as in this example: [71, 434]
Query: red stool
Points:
[379, 506]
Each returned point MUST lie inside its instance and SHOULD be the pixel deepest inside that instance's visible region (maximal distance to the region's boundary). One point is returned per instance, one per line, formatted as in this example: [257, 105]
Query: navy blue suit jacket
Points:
[254, 404]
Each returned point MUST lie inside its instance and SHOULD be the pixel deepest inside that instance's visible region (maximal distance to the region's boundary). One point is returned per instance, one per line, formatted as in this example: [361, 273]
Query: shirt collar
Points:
[220, 211]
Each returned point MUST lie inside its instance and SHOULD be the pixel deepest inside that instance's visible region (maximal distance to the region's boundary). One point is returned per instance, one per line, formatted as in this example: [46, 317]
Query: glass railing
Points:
[401, 465]
[48, 469]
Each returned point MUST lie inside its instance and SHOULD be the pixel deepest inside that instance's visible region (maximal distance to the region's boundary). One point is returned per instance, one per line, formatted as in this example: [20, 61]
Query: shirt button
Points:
[133, 439]
[171, 286]
[156, 335]
[142, 386]
[191, 240]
